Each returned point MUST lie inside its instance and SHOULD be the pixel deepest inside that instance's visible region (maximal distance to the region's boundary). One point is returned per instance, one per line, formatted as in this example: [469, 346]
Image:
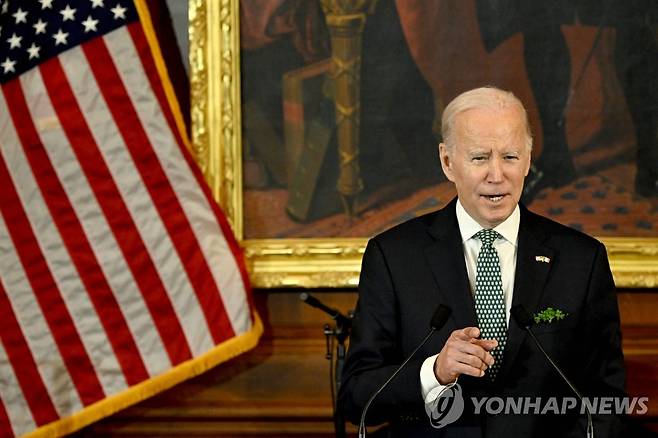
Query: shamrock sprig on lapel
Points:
[548, 315]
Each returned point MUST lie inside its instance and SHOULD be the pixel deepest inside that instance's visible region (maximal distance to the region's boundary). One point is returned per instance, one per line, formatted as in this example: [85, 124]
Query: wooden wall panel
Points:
[281, 388]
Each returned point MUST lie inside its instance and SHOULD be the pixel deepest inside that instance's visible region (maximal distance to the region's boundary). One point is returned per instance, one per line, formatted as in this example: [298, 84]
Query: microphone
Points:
[525, 321]
[439, 318]
[335, 314]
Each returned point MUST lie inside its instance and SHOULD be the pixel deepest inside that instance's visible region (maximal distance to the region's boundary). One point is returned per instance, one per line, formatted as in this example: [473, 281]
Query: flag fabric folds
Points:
[119, 276]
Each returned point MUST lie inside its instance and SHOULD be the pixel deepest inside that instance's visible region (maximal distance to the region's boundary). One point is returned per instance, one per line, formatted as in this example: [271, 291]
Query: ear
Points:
[446, 162]
[527, 164]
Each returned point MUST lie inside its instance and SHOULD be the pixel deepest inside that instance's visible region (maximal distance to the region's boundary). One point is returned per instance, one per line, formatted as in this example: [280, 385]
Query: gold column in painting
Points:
[346, 19]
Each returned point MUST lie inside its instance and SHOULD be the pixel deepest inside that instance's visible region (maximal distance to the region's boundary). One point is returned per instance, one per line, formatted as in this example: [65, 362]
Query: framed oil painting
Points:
[316, 122]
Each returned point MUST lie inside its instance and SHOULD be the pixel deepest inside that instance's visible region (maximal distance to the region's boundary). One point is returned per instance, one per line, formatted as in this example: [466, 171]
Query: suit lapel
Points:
[529, 280]
[445, 257]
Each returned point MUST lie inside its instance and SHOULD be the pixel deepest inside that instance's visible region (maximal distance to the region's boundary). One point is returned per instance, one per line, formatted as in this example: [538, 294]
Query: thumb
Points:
[473, 332]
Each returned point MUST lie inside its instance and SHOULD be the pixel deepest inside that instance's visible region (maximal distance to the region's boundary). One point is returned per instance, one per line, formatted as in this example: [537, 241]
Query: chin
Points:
[494, 222]
[498, 216]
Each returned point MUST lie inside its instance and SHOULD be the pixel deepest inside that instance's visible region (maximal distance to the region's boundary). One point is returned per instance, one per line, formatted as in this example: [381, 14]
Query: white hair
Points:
[490, 98]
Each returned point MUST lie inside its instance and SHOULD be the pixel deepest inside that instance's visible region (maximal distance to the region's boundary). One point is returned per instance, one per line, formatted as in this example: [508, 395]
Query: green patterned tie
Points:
[489, 297]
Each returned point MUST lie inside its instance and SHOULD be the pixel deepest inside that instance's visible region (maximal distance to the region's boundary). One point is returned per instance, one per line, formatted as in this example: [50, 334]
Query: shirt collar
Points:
[468, 226]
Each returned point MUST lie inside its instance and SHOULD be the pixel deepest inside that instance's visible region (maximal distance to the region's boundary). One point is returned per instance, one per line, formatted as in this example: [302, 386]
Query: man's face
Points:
[488, 162]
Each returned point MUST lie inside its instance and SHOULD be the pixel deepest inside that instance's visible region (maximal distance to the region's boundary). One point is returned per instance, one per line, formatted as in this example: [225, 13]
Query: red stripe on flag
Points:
[137, 33]
[25, 368]
[79, 249]
[5, 426]
[43, 284]
[160, 189]
[115, 210]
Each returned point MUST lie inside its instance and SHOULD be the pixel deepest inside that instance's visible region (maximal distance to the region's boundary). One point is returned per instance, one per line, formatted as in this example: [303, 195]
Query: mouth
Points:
[494, 198]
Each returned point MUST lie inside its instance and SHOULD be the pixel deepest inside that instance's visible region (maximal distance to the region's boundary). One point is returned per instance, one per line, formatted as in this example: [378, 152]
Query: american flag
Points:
[119, 276]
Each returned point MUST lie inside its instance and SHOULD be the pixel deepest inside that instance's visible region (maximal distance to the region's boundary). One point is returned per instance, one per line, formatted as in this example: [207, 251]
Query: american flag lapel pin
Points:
[542, 259]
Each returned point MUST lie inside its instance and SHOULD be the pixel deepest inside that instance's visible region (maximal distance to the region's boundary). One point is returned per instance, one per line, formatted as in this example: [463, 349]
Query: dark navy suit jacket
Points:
[412, 268]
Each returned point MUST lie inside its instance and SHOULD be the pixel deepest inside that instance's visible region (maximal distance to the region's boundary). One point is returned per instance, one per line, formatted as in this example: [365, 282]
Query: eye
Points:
[479, 158]
[511, 157]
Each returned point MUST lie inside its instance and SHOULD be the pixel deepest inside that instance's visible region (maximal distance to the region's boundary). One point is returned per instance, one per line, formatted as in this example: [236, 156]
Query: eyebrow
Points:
[488, 152]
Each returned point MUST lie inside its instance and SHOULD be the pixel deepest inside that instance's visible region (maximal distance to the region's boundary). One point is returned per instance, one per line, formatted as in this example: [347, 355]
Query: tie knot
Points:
[487, 236]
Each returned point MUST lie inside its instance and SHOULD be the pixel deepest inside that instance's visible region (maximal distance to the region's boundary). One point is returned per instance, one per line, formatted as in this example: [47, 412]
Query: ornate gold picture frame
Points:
[217, 143]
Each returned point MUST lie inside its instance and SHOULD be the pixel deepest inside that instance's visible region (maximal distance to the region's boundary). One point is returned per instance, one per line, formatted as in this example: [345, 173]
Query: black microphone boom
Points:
[525, 321]
[340, 332]
[439, 318]
[335, 314]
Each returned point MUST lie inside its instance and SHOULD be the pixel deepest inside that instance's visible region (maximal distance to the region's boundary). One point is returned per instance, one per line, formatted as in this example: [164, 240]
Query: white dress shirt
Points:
[506, 248]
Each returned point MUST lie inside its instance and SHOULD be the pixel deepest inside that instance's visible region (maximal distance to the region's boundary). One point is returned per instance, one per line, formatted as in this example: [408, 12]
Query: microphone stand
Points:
[590, 425]
[340, 332]
[525, 321]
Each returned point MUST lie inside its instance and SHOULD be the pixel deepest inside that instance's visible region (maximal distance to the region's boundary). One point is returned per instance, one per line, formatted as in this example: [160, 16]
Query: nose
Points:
[495, 170]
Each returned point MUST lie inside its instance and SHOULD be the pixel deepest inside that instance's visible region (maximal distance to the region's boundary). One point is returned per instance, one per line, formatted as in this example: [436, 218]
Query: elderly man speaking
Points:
[482, 255]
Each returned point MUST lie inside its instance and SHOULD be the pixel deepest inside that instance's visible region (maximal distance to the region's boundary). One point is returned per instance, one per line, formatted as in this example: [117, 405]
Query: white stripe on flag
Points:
[32, 321]
[137, 198]
[95, 224]
[18, 411]
[182, 294]
[74, 293]
[200, 215]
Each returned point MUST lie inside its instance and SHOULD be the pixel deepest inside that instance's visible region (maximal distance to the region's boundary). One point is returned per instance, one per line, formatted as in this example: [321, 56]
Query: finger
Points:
[462, 368]
[472, 332]
[488, 359]
[487, 344]
[469, 359]
[469, 348]
[451, 363]
[466, 334]
[483, 356]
